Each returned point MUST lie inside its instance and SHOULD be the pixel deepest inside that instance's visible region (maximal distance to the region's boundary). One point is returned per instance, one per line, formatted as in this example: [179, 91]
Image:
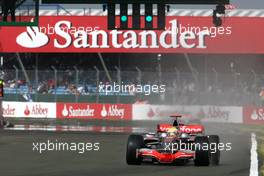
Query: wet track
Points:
[18, 159]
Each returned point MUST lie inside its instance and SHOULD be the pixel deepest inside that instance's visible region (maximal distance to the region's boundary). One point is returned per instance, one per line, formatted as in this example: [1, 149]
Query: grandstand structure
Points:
[231, 79]
[26, 13]
[58, 10]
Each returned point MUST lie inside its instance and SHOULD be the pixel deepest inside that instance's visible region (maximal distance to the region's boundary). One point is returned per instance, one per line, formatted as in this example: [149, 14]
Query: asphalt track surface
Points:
[19, 159]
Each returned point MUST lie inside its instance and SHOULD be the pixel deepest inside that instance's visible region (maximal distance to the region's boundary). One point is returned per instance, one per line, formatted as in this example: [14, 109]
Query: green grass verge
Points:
[261, 153]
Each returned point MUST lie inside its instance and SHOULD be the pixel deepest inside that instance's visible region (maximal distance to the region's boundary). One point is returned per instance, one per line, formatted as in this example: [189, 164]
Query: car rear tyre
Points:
[202, 156]
[134, 143]
[215, 152]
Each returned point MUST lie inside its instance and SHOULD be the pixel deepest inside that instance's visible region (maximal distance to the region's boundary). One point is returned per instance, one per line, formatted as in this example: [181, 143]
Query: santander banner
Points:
[253, 115]
[90, 34]
[94, 111]
[226, 114]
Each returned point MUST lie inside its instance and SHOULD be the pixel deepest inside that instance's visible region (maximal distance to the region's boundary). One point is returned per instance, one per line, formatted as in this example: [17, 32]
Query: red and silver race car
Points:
[174, 143]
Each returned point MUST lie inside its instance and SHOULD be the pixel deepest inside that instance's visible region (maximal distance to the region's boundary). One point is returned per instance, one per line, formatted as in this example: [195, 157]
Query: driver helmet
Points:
[172, 132]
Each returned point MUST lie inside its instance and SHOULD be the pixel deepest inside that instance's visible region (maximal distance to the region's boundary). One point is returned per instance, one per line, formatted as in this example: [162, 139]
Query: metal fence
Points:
[181, 88]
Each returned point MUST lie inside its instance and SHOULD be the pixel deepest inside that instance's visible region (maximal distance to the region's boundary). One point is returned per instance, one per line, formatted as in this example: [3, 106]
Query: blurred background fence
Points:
[76, 85]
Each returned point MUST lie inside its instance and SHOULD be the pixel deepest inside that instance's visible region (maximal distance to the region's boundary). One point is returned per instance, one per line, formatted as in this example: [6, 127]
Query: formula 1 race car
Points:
[174, 143]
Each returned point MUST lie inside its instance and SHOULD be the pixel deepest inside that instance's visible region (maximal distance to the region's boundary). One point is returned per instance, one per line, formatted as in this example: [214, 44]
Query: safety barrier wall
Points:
[232, 114]
[228, 114]
[94, 111]
[29, 109]
[67, 110]
[253, 115]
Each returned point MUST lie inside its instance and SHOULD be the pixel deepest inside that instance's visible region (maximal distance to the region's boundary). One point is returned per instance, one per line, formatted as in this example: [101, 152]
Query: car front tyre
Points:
[134, 143]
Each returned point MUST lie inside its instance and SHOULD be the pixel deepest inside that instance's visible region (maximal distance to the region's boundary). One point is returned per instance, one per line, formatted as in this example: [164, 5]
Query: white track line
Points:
[101, 129]
[254, 156]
